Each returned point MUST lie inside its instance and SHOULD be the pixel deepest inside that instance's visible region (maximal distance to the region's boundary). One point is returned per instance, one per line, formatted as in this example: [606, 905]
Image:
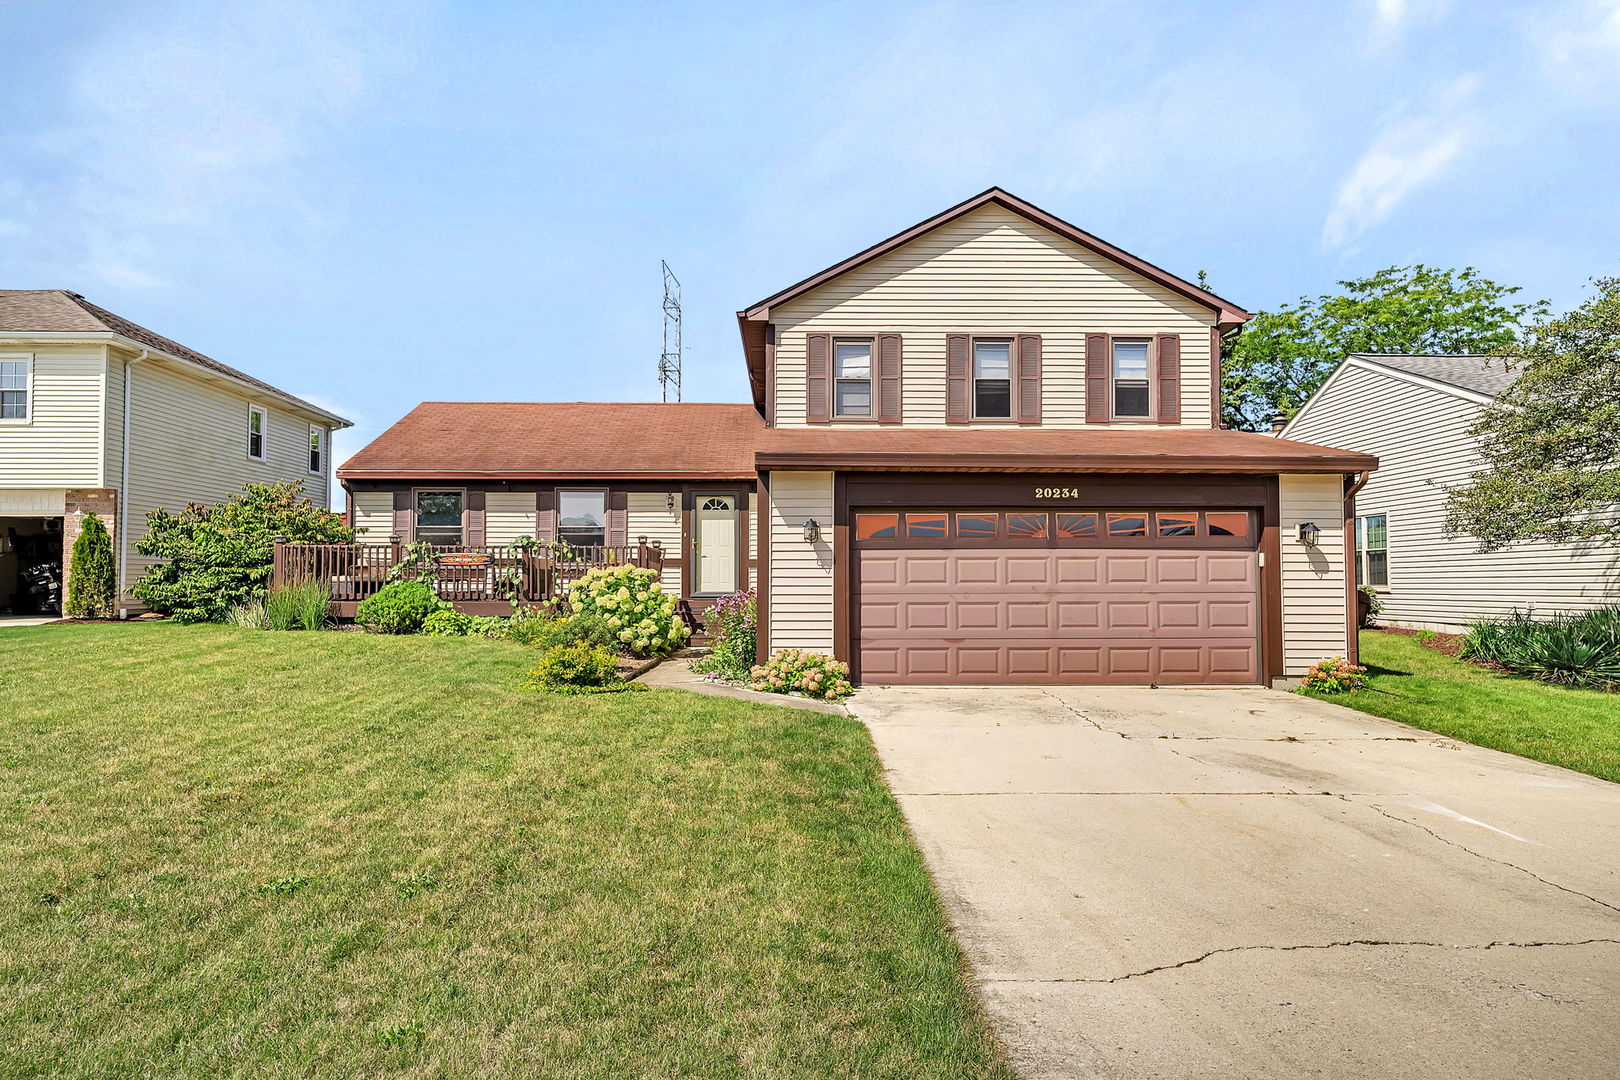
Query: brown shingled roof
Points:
[578, 440]
[56, 311]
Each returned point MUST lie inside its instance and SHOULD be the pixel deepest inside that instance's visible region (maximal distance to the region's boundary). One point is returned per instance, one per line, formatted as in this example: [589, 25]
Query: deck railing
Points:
[469, 576]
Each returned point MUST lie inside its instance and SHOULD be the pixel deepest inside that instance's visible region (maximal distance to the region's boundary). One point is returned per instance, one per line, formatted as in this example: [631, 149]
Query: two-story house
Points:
[984, 450]
[100, 415]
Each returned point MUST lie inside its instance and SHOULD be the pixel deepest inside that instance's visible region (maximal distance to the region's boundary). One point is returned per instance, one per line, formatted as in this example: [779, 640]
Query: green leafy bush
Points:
[92, 583]
[629, 599]
[1335, 675]
[1572, 650]
[447, 624]
[733, 638]
[400, 608]
[795, 671]
[219, 556]
[578, 669]
[249, 615]
[303, 605]
[548, 633]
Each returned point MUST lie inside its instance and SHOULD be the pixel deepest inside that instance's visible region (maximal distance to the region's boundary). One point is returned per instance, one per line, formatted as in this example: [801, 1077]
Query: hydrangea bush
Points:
[795, 671]
[1335, 675]
[628, 598]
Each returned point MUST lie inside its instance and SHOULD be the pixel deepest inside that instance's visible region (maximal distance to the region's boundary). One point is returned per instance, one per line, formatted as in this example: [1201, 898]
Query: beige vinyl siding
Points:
[508, 515]
[61, 444]
[189, 444]
[374, 512]
[33, 502]
[1420, 434]
[649, 514]
[800, 607]
[992, 271]
[112, 427]
[1315, 623]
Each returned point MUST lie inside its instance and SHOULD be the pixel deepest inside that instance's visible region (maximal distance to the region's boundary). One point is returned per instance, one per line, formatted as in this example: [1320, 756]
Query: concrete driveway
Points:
[1247, 883]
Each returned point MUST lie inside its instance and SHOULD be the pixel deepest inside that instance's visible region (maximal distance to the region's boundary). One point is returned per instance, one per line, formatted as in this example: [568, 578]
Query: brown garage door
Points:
[1054, 598]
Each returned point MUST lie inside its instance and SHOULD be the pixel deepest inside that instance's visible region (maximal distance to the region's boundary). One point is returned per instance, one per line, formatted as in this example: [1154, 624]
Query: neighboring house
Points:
[99, 414]
[984, 450]
[1414, 413]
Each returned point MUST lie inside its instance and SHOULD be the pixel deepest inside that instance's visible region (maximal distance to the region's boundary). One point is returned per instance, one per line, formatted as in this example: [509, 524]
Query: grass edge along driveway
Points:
[1573, 728]
[248, 854]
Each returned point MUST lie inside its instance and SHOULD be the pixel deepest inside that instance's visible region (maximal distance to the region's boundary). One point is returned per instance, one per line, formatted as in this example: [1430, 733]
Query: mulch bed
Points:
[1450, 644]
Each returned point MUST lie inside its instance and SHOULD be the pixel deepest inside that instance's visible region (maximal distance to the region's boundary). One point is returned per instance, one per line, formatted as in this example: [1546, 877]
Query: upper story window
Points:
[992, 378]
[1132, 398]
[315, 440]
[582, 518]
[14, 388]
[852, 377]
[1372, 550]
[258, 422]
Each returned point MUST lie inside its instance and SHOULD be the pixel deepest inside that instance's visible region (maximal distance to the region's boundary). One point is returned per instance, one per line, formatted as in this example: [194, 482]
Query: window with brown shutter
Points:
[956, 379]
[1029, 378]
[817, 395]
[1097, 405]
[1168, 350]
[890, 410]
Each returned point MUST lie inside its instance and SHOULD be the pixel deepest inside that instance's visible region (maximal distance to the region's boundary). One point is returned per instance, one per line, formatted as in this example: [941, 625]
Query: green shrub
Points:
[92, 582]
[302, 605]
[219, 556]
[574, 630]
[1335, 675]
[733, 638]
[795, 671]
[1426, 636]
[446, 624]
[249, 615]
[400, 608]
[577, 669]
[1375, 604]
[629, 599]
[1572, 650]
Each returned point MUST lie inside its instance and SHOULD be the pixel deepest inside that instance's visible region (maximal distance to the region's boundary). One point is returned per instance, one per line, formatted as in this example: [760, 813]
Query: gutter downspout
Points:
[123, 484]
[1352, 642]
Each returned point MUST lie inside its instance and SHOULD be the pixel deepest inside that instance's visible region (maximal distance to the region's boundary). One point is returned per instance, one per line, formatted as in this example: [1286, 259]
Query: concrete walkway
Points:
[1247, 884]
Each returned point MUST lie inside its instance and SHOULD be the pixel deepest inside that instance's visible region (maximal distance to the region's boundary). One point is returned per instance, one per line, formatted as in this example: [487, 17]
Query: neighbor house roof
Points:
[753, 319]
[57, 311]
[563, 440]
[1479, 373]
[1016, 449]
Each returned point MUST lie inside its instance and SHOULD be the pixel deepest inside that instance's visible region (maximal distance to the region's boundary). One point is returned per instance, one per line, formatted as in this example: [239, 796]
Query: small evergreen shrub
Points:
[628, 598]
[733, 638]
[578, 669]
[795, 671]
[302, 605]
[1335, 675]
[1571, 650]
[92, 581]
[400, 608]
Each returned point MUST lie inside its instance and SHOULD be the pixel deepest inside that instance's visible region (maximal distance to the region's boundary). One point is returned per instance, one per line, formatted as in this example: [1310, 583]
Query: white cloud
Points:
[1411, 149]
[1393, 18]
[1580, 41]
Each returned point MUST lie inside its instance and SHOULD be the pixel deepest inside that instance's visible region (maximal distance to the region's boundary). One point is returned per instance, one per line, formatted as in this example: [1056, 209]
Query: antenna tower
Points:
[669, 362]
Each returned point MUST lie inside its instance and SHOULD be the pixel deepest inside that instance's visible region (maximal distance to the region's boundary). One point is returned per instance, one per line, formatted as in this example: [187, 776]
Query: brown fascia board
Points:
[502, 474]
[1061, 463]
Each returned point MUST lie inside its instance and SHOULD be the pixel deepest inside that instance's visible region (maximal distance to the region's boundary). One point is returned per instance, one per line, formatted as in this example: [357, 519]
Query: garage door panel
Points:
[879, 615]
[1074, 568]
[925, 616]
[929, 569]
[1030, 615]
[1079, 614]
[978, 570]
[980, 615]
[980, 661]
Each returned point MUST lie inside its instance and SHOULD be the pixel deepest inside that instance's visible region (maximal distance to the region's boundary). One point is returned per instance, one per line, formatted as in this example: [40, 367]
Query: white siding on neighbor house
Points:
[189, 444]
[374, 512]
[61, 443]
[993, 271]
[800, 604]
[649, 515]
[508, 515]
[1315, 622]
[1420, 434]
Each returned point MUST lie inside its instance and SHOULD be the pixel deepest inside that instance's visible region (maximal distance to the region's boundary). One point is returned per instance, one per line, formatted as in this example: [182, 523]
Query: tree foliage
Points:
[1552, 441]
[92, 581]
[220, 556]
[1282, 356]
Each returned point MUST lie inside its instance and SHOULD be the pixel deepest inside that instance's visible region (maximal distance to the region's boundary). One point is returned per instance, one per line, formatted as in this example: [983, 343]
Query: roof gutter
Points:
[894, 461]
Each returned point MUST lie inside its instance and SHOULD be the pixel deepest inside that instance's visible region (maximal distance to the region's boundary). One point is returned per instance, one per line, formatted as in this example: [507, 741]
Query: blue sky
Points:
[372, 203]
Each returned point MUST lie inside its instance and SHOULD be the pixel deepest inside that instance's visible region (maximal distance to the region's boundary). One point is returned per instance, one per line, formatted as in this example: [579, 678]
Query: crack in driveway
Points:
[1352, 943]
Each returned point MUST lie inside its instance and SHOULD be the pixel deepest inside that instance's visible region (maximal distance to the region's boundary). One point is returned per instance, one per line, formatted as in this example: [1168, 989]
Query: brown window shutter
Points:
[545, 516]
[1098, 409]
[1029, 378]
[957, 408]
[618, 519]
[473, 519]
[402, 515]
[888, 388]
[817, 378]
[1167, 347]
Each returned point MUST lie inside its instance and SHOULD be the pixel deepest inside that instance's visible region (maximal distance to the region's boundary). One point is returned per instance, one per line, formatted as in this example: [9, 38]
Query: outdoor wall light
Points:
[669, 501]
[1309, 533]
[812, 530]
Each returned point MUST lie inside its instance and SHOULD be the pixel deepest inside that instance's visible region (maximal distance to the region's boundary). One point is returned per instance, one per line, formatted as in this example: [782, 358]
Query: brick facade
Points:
[103, 502]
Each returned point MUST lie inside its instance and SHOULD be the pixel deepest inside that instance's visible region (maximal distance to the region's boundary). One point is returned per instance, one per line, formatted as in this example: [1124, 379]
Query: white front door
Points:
[716, 544]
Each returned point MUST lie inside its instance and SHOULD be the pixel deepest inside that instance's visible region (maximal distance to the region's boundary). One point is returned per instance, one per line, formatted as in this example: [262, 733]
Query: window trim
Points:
[1362, 549]
[607, 510]
[27, 360]
[319, 438]
[833, 378]
[434, 489]
[1152, 414]
[264, 433]
[1011, 339]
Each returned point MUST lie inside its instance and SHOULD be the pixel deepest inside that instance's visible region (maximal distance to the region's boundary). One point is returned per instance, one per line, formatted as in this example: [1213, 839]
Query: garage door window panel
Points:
[1076, 526]
[926, 526]
[1172, 525]
[1127, 525]
[877, 526]
[1026, 526]
[978, 526]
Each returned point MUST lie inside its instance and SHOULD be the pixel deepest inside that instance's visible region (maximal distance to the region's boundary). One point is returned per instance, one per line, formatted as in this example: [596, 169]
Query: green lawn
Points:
[1578, 729]
[232, 853]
